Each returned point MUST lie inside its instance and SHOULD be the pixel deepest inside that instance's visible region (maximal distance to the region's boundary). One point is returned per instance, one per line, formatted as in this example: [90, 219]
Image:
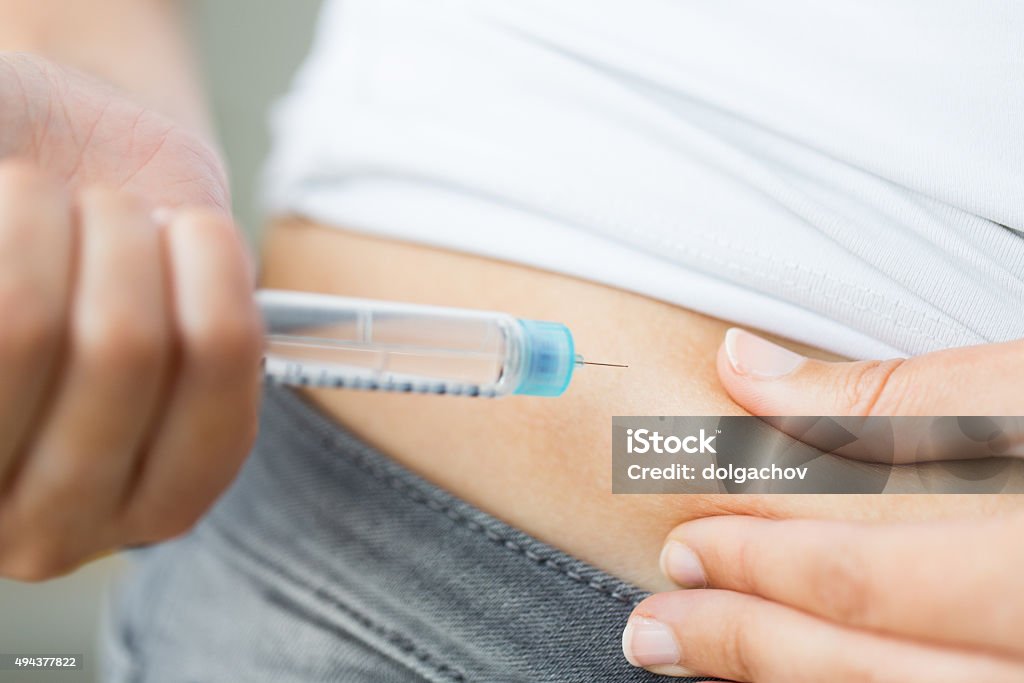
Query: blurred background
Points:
[250, 49]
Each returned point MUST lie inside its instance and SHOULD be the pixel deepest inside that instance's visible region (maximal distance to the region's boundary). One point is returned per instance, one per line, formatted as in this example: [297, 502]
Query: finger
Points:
[918, 580]
[746, 638]
[36, 242]
[767, 379]
[83, 453]
[211, 416]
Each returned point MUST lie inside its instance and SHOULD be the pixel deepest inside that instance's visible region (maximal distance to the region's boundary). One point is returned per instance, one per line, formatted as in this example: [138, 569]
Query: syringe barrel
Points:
[323, 340]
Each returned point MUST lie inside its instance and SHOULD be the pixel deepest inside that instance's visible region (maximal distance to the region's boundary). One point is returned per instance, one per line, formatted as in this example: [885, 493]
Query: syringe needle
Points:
[607, 365]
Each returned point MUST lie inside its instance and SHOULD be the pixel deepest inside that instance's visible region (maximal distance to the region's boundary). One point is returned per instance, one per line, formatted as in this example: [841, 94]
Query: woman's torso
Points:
[544, 465]
[844, 174]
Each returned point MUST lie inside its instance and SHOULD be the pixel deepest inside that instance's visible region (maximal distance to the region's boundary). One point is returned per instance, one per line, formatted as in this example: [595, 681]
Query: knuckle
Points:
[19, 175]
[119, 344]
[201, 221]
[35, 563]
[873, 388]
[749, 568]
[206, 229]
[229, 345]
[230, 442]
[742, 645]
[100, 196]
[231, 446]
[103, 201]
[172, 526]
[94, 195]
[841, 586]
[30, 326]
[150, 525]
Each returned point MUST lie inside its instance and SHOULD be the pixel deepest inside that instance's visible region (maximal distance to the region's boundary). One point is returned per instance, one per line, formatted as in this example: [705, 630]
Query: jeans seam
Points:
[130, 620]
[498, 539]
[394, 637]
[363, 458]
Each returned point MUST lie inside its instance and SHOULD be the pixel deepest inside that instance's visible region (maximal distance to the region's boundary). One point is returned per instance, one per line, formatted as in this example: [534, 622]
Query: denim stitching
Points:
[362, 459]
[364, 456]
[395, 638]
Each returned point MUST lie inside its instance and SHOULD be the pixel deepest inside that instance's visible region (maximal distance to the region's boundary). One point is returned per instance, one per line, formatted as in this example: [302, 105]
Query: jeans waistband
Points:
[425, 577]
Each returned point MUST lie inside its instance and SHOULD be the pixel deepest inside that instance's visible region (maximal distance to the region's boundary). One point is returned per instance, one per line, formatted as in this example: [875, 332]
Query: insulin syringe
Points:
[330, 341]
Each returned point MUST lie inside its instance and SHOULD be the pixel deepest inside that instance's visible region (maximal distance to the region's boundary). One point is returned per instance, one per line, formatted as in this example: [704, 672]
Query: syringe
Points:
[331, 341]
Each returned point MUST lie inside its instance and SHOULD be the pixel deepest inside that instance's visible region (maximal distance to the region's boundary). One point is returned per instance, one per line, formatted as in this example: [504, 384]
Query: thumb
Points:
[769, 380]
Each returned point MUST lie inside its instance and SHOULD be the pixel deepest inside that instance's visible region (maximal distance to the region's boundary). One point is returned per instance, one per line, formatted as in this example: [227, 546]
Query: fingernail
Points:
[759, 358]
[648, 642]
[682, 565]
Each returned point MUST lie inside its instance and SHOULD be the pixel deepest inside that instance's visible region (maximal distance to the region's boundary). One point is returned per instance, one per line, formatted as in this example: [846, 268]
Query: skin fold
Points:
[545, 465]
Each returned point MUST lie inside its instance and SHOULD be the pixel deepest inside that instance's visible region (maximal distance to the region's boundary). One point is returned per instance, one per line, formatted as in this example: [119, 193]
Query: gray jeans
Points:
[327, 561]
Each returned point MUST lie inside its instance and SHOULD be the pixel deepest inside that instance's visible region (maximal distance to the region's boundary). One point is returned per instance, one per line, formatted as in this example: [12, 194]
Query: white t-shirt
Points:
[848, 173]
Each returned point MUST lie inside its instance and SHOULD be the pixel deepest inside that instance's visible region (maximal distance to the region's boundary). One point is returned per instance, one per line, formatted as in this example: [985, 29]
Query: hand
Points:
[129, 369]
[83, 131]
[767, 379]
[801, 600]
